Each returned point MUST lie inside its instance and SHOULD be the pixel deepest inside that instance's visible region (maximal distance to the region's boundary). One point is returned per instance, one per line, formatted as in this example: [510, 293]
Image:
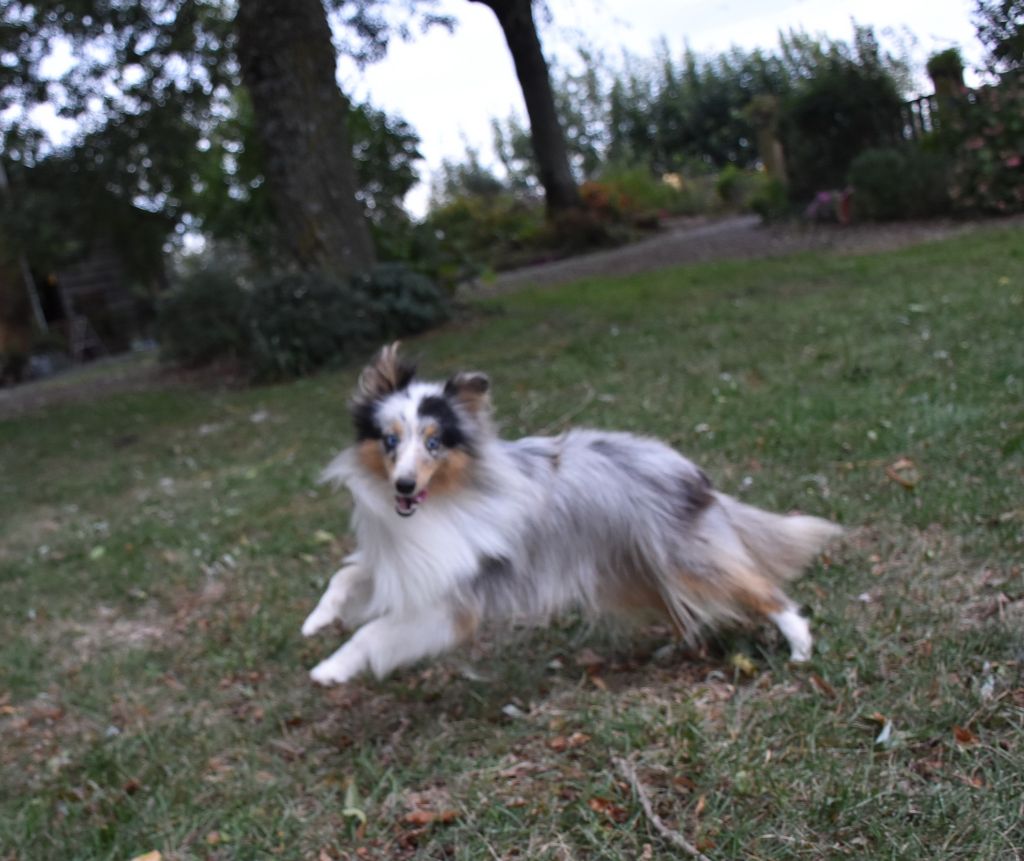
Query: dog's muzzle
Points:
[406, 505]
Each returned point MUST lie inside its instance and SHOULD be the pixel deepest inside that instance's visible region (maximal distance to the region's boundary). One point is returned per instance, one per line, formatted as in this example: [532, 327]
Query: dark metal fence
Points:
[920, 117]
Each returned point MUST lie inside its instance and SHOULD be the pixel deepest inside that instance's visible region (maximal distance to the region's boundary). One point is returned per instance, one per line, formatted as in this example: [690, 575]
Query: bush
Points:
[477, 233]
[893, 183]
[728, 184]
[771, 200]
[831, 118]
[293, 324]
[203, 319]
[637, 189]
[401, 300]
[298, 323]
[577, 230]
[739, 190]
[987, 133]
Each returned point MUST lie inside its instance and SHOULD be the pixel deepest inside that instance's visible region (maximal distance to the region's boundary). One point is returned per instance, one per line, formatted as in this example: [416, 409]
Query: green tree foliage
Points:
[231, 202]
[692, 114]
[164, 126]
[1000, 26]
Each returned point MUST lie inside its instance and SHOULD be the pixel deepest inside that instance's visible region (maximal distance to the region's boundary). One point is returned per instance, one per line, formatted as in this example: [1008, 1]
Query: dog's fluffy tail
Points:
[781, 545]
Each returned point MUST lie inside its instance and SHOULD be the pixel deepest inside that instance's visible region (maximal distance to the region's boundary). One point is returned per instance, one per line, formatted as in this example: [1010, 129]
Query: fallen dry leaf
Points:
[149, 856]
[428, 817]
[821, 686]
[904, 473]
[964, 735]
[742, 663]
[560, 742]
[607, 807]
[681, 781]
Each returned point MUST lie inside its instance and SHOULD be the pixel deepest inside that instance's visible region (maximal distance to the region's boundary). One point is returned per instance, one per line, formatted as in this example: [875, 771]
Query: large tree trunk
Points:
[520, 29]
[288, 66]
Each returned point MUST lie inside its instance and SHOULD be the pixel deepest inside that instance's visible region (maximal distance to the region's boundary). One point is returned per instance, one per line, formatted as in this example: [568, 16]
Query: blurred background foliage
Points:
[167, 168]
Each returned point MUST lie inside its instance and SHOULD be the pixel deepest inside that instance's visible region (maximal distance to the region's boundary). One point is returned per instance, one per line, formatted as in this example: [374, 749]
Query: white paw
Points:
[320, 618]
[797, 631]
[801, 652]
[339, 668]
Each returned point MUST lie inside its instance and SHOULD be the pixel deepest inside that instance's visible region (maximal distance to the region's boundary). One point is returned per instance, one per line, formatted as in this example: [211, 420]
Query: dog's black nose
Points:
[405, 486]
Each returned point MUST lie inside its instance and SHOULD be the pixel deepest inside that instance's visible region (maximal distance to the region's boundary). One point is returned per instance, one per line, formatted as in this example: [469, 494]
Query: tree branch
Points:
[628, 771]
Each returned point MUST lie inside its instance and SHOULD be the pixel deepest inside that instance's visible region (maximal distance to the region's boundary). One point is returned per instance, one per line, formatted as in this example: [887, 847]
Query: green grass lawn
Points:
[160, 549]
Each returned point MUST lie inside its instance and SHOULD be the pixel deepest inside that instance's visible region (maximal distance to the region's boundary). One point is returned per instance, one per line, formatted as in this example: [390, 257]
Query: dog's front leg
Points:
[345, 598]
[393, 641]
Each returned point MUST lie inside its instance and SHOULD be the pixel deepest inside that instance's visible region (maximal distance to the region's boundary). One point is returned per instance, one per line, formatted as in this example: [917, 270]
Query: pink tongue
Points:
[419, 497]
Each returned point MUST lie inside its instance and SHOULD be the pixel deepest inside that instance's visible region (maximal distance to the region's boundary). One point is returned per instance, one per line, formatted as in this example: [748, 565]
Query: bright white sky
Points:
[449, 87]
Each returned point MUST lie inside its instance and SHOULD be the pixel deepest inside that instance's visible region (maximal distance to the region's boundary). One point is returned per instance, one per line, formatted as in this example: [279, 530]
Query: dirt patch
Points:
[109, 631]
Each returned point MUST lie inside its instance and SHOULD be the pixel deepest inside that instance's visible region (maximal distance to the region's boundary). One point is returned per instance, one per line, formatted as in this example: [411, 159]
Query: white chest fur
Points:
[415, 561]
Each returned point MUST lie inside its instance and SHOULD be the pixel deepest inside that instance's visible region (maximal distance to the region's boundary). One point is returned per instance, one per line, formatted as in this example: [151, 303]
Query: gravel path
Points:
[737, 238]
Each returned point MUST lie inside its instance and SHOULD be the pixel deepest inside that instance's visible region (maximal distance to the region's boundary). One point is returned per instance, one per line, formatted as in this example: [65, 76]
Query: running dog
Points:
[455, 526]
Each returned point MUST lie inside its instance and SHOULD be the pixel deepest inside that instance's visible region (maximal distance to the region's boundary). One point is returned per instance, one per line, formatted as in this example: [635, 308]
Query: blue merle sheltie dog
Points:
[455, 527]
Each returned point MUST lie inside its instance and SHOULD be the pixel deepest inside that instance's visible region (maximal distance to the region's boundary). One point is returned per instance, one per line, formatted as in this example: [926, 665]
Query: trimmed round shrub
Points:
[292, 324]
[202, 319]
[771, 200]
[297, 323]
[893, 183]
[404, 302]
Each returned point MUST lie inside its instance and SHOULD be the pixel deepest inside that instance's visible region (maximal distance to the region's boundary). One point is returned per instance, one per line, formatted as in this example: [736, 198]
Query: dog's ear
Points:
[386, 374]
[471, 390]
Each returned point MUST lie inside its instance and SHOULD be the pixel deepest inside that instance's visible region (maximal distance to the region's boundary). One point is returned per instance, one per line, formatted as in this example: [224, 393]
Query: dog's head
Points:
[420, 438]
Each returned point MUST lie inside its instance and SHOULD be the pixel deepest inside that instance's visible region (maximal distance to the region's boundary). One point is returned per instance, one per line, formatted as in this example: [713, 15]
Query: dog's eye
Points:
[433, 444]
[390, 441]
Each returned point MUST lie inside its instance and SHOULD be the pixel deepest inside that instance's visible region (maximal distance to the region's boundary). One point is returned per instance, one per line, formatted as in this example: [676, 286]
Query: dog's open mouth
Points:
[407, 505]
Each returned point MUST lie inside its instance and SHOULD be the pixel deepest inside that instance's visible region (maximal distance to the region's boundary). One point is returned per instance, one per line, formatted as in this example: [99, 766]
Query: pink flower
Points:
[976, 142]
[1012, 161]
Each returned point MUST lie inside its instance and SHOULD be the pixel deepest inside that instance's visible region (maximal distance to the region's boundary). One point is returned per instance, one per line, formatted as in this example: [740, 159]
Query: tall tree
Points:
[288, 63]
[154, 83]
[546, 133]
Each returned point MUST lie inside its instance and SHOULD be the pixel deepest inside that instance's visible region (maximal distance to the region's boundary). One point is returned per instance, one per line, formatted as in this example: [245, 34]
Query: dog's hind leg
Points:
[795, 629]
[345, 598]
[393, 641]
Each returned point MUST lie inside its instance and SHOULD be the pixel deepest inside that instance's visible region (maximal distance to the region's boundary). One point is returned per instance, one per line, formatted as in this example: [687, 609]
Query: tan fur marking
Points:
[372, 458]
[633, 595]
[745, 590]
[452, 472]
[426, 468]
[466, 623]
